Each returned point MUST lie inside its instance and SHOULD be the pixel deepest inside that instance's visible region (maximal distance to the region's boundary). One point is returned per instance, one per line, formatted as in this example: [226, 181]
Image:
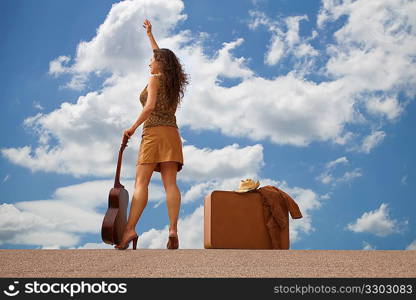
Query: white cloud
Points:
[230, 161]
[121, 41]
[388, 106]
[308, 201]
[367, 246]
[78, 82]
[259, 18]
[376, 222]
[339, 160]
[374, 48]
[27, 228]
[37, 105]
[372, 140]
[403, 181]
[305, 49]
[349, 175]
[326, 196]
[411, 246]
[283, 42]
[275, 51]
[6, 178]
[327, 175]
[62, 215]
[292, 34]
[373, 55]
[366, 58]
[56, 66]
[195, 192]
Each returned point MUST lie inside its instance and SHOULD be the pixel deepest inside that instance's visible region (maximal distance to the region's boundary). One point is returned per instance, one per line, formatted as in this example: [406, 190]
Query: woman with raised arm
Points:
[161, 144]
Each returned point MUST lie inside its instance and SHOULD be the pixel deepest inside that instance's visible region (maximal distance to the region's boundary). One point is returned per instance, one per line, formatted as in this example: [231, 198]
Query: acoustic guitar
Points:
[115, 219]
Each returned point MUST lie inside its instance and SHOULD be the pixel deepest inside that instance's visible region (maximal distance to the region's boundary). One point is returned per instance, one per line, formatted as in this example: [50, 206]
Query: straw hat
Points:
[247, 185]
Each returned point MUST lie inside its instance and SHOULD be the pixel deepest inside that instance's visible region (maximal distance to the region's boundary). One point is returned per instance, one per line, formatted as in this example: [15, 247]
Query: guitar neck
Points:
[117, 183]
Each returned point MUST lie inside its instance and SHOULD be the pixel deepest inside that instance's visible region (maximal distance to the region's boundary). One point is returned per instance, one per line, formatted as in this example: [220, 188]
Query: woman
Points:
[161, 144]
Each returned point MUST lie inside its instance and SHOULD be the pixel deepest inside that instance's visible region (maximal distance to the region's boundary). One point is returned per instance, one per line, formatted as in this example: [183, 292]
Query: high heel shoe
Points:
[173, 242]
[125, 246]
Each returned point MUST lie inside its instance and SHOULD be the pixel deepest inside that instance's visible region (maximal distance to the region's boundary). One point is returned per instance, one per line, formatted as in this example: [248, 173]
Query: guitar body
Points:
[115, 219]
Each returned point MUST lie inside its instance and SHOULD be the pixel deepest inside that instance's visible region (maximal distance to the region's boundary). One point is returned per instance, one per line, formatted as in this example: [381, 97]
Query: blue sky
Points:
[314, 97]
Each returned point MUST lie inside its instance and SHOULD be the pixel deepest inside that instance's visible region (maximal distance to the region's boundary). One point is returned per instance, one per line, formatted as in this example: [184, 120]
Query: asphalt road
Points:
[207, 263]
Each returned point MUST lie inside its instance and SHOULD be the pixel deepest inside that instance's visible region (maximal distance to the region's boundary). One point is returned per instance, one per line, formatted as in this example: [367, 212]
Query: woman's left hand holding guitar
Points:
[129, 132]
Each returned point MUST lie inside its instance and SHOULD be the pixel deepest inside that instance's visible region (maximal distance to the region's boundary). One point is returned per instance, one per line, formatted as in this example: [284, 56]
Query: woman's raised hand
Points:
[148, 26]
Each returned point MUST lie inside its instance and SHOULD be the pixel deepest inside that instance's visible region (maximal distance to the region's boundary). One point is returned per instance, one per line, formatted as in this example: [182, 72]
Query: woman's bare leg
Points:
[140, 197]
[173, 195]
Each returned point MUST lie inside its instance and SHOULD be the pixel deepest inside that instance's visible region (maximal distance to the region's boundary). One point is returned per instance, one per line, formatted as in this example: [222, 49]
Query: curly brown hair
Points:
[173, 75]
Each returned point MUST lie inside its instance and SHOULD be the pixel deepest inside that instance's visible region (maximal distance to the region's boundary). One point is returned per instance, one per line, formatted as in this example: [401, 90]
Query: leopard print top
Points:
[163, 114]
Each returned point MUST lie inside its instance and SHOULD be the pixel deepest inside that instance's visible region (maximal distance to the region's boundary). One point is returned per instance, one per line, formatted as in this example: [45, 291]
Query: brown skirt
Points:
[159, 144]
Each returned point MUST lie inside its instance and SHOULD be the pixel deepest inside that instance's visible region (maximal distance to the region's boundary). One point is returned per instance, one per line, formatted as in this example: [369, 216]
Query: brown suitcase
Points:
[235, 220]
